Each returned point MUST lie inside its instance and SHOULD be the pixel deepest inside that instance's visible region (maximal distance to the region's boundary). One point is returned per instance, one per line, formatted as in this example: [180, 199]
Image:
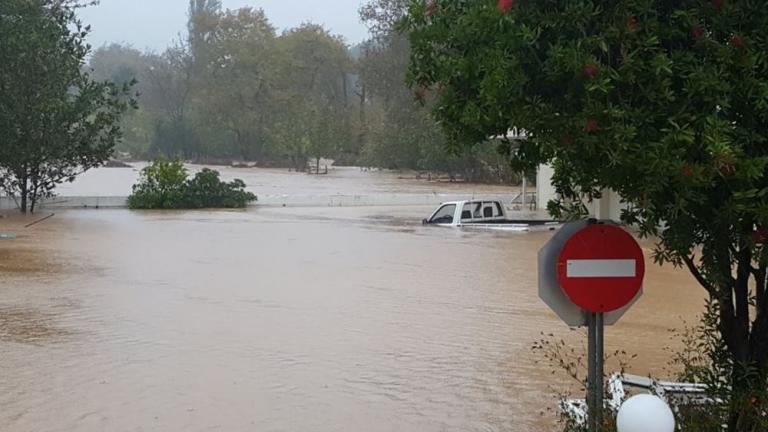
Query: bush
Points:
[206, 190]
[165, 185]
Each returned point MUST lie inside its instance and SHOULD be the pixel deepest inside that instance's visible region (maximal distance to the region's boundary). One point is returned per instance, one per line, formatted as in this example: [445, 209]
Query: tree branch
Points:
[688, 260]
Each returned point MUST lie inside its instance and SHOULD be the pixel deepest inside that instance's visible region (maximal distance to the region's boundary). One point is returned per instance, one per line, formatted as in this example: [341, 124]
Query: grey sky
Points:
[154, 24]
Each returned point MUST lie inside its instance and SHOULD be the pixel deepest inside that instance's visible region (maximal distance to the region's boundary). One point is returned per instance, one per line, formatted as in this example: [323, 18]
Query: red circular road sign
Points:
[601, 268]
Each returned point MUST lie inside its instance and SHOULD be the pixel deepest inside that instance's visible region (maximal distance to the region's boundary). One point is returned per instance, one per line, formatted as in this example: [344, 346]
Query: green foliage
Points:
[662, 102]
[121, 65]
[236, 89]
[399, 131]
[164, 185]
[56, 121]
[704, 359]
[161, 186]
[206, 190]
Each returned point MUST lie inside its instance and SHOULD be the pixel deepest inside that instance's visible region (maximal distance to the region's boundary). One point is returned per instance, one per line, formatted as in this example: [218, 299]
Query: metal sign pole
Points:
[591, 371]
[599, 369]
[595, 370]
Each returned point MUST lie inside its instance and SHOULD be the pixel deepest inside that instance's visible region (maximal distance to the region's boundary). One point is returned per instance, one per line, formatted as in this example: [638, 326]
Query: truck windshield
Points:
[444, 215]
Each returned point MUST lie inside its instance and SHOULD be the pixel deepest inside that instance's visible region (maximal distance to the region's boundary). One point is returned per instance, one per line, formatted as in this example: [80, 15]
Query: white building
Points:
[607, 207]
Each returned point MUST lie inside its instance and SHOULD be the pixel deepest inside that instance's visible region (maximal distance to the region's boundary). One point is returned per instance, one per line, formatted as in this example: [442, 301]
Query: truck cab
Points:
[456, 213]
[483, 214]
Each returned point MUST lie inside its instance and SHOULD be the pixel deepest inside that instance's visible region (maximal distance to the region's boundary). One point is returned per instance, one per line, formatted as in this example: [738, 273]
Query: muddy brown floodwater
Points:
[288, 319]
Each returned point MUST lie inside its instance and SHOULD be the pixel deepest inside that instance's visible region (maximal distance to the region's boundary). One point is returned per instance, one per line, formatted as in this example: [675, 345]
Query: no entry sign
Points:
[601, 268]
[590, 273]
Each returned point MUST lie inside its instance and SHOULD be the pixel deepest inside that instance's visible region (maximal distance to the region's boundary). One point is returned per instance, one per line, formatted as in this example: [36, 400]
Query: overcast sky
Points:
[154, 24]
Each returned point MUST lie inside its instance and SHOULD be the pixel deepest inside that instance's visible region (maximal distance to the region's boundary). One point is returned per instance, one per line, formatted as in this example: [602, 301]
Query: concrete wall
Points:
[7, 203]
[281, 200]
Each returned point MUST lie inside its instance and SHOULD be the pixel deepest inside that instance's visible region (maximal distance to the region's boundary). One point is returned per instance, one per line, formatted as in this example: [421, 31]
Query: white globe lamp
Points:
[645, 413]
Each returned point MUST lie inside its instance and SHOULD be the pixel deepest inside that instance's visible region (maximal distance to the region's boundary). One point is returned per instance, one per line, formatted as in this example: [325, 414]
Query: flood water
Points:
[289, 319]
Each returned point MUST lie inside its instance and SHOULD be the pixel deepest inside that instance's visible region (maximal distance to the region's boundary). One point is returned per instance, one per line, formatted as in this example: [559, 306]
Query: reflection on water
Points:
[273, 319]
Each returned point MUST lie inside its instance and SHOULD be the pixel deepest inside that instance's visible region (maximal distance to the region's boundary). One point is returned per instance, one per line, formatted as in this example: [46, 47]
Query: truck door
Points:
[444, 215]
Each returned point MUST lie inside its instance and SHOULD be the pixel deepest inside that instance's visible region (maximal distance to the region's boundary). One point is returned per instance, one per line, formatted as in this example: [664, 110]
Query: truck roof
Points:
[471, 201]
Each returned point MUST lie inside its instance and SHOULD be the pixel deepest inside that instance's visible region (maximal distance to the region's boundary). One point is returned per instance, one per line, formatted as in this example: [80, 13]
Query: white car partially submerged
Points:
[485, 214]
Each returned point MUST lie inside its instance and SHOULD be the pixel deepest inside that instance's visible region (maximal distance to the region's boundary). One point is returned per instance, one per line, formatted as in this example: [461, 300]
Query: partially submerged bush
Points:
[206, 190]
[165, 185]
[161, 186]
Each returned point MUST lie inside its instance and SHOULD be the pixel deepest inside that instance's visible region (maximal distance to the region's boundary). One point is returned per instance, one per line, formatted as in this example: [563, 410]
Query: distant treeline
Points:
[236, 89]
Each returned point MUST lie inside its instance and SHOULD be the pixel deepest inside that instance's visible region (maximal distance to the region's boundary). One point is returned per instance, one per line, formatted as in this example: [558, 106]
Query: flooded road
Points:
[287, 319]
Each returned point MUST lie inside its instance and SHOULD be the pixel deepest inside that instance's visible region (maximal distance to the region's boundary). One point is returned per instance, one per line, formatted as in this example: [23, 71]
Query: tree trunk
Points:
[23, 186]
[745, 343]
[32, 202]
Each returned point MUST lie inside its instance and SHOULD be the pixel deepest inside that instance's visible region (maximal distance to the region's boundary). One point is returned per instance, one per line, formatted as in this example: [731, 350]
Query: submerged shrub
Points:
[161, 186]
[206, 190]
[165, 185]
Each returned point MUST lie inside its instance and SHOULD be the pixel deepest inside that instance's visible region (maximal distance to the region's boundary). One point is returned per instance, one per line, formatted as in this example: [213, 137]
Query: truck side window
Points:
[444, 215]
[499, 213]
[466, 212]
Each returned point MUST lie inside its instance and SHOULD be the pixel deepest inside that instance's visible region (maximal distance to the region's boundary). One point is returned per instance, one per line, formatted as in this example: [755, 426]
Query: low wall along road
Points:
[72, 202]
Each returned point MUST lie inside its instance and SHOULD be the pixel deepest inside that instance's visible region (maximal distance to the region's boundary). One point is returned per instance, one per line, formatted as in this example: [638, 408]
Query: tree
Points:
[400, 131]
[123, 64]
[238, 79]
[665, 103]
[201, 23]
[404, 132]
[168, 87]
[55, 120]
[314, 68]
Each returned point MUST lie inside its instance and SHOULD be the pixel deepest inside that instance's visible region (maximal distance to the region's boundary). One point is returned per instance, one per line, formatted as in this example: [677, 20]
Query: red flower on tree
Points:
[686, 171]
[718, 3]
[725, 166]
[565, 140]
[727, 170]
[505, 5]
[591, 126]
[697, 31]
[737, 42]
[760, 235]
[591, 70]
[631, 23]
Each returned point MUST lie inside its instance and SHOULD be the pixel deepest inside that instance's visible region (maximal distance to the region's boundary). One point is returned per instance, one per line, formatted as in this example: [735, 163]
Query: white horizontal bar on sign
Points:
[597, 268]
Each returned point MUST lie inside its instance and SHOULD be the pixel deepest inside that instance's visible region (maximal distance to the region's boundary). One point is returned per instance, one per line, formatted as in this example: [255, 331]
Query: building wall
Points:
[545, 192]
[608, 207]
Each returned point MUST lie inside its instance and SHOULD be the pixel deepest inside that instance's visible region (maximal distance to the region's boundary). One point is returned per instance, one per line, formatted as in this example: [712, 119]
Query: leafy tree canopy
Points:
[664, 102]
[55, 120]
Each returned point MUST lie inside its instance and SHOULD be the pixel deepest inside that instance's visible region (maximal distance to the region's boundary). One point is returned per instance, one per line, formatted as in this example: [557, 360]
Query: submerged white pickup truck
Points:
[482, 214]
